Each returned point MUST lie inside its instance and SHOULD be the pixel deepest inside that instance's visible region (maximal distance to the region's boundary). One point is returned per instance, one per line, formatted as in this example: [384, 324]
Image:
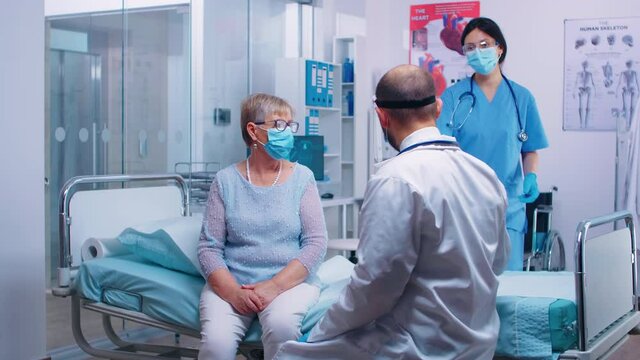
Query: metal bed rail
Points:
[581, 266]
[127, 350]
[64, 219]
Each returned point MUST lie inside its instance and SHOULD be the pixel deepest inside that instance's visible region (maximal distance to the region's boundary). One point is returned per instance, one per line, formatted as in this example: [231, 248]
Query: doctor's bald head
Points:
[407, 93]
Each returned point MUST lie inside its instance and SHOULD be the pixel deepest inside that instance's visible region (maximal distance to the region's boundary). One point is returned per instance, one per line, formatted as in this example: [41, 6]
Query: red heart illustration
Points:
[452, 32]
[439, 80]
[434, 67]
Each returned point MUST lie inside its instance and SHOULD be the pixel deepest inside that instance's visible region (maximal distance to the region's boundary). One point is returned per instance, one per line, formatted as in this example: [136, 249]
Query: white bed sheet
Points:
[551, 284]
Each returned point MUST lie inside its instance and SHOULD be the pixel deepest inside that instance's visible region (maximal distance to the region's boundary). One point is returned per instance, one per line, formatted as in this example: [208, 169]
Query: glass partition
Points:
[118, 98]
[118, 102]
[157, 89]
[220, 83]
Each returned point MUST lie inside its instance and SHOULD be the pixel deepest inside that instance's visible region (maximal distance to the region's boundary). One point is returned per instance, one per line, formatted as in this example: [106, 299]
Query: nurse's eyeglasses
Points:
[484, 44]
[280, 124]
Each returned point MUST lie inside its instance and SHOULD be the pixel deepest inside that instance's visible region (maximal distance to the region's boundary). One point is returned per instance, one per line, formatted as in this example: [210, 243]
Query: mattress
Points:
[537, 309]
[537, 313]
[552, 284]
[132, 283]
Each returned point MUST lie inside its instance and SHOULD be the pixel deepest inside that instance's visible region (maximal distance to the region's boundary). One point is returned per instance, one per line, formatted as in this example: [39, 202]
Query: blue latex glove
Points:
[529, 188]
[304, 337]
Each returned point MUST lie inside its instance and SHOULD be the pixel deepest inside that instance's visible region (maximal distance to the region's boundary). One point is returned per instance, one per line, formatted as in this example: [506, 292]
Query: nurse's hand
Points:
[529, 188]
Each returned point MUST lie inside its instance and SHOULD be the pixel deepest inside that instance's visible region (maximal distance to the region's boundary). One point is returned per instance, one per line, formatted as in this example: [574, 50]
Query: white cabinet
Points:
[355, 100]
[345, 156]
[314, 89]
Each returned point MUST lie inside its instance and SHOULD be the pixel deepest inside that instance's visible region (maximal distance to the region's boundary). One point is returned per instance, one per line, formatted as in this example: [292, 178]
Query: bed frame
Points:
[605, 316]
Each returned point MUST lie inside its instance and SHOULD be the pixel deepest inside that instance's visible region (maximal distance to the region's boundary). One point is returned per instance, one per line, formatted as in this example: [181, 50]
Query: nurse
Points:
[496, 120]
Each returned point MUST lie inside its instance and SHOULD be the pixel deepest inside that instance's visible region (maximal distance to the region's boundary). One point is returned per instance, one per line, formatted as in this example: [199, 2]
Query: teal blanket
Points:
[535, 327]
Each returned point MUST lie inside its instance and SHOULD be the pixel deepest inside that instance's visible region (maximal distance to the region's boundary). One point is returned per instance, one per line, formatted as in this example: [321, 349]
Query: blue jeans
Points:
[516, 257]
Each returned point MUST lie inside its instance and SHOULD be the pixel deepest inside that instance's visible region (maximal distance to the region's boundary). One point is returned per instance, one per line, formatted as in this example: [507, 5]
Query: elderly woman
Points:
[262, 238]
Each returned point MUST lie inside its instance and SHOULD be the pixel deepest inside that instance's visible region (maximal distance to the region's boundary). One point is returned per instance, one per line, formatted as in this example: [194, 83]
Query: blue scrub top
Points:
[490, 133]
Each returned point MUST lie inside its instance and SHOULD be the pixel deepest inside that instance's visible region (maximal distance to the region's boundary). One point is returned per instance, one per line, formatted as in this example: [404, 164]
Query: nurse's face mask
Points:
[482, 57]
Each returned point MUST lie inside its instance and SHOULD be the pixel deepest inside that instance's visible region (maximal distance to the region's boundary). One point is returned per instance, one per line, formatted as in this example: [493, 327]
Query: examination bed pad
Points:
[132, 283]
[537, 309]
[537, 314]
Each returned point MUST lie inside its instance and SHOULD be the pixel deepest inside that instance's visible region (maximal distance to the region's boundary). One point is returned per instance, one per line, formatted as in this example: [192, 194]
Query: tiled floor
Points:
[59, 333]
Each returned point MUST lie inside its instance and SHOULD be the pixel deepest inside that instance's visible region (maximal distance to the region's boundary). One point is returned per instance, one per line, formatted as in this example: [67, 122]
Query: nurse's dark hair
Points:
[407, 82]
[489, 27]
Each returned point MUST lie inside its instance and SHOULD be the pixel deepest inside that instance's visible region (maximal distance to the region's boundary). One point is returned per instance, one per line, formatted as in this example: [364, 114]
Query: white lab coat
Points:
[433, 240]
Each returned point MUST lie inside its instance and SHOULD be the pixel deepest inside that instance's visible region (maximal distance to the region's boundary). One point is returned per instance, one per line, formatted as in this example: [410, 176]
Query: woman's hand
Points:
[265, 290]
[246, 301]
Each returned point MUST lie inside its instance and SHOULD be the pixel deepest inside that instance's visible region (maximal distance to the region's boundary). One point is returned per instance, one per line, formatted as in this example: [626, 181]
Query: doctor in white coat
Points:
[433, 241]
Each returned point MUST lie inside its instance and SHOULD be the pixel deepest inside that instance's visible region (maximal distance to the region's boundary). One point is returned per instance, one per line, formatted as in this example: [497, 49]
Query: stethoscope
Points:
[426, 143]
[522, 135]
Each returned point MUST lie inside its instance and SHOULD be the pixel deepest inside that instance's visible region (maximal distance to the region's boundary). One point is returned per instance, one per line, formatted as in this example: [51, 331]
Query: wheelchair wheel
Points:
[554, 254]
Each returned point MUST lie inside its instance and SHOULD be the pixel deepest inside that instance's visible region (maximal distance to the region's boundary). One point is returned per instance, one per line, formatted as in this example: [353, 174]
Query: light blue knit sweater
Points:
[256, 231]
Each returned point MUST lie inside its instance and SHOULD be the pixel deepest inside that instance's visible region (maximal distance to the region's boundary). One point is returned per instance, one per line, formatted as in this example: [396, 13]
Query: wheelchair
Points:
[543, 246]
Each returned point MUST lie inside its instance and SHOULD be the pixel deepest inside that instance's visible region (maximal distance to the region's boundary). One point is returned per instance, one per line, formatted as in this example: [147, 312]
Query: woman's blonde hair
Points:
[256, 107]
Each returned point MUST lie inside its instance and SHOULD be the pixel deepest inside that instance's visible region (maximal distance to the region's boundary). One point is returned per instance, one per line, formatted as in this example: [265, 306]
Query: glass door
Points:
[118, 97]
[78, 142]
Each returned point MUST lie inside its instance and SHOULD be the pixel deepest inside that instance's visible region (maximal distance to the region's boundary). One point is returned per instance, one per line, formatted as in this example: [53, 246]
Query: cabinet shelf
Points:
[353, 123]
[322, 108]
[318, 115]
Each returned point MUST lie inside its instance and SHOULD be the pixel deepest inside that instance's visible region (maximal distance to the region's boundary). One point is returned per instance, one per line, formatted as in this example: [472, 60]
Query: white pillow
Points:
[335, 269]
[172, 243]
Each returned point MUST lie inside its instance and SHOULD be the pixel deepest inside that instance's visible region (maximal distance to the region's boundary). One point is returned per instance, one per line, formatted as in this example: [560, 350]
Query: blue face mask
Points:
[280, 143]
[483, 61]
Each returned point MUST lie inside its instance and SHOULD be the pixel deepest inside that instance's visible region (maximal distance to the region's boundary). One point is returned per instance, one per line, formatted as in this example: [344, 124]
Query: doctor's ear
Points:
[382, 116]
[438, 107]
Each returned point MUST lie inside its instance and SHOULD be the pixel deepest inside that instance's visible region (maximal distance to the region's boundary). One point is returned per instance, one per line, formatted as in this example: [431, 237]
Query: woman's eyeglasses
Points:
[280, 124]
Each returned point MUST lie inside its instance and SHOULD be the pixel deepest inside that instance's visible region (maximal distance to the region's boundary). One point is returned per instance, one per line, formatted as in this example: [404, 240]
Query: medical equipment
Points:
[544, 249]
[627, 170]
[604, 301]
[199, 176]
[308, 150]
[522, 134]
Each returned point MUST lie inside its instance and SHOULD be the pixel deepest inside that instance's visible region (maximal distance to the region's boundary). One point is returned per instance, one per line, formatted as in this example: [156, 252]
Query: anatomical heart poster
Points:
[601, 73]
[435, 31]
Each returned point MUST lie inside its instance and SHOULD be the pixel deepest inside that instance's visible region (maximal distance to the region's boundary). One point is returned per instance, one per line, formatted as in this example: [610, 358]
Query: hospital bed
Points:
[587, 313]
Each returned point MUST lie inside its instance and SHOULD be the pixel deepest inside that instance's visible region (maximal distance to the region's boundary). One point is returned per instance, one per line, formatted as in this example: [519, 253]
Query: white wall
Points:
[22, 263]
[580, 164]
